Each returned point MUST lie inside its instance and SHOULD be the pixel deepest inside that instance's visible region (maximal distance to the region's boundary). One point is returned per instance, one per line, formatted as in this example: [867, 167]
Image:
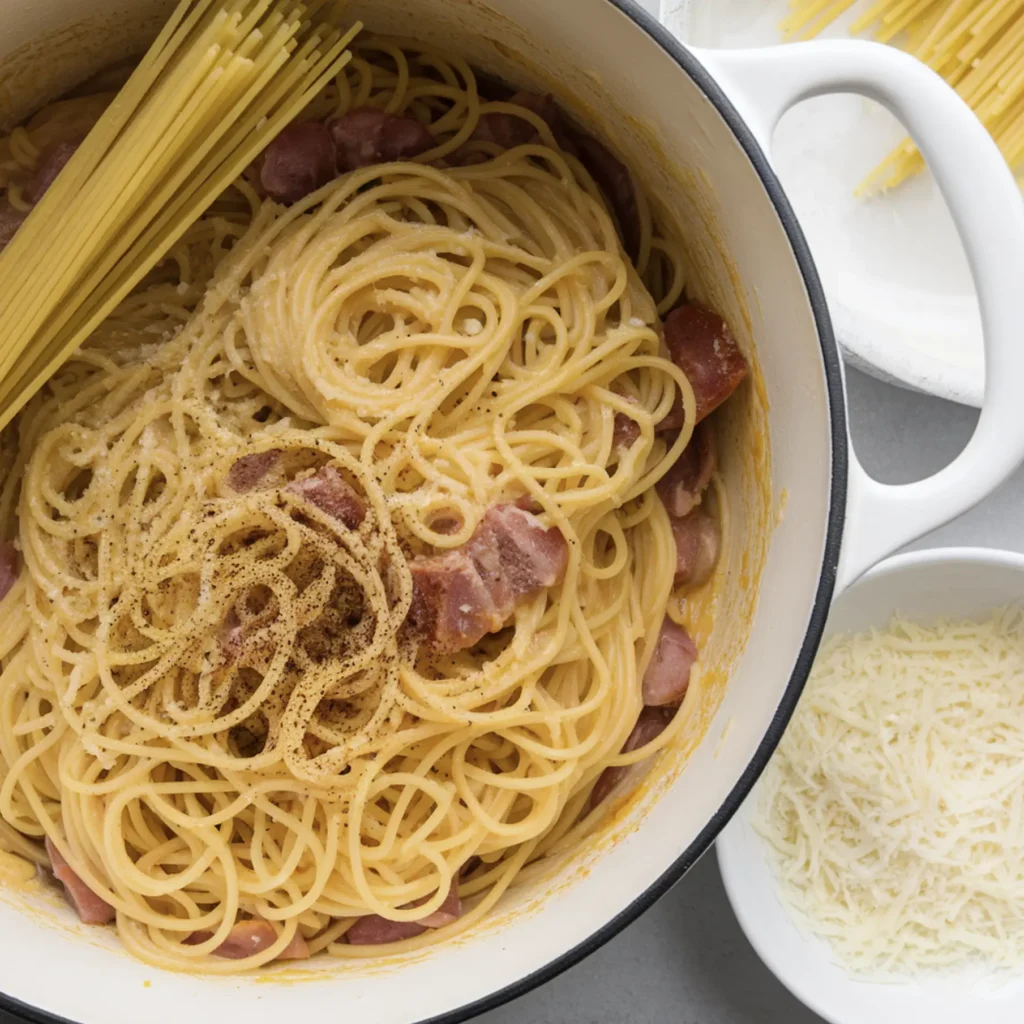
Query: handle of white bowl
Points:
[989, 213]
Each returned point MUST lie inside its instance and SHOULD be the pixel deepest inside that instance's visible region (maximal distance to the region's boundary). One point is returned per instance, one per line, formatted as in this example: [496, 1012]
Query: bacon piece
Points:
[649, 726]
[446, 525]
[613, 178]
[297, 949]
[10, 220]
[374, 930]
[683, 485]
[510, 130]
[247, 938]
[698, 540]
[625, 433]
[462, 595]
[627, 430]
[369, 136]
[331, 493]
[249, 470]
[51, 163]
[528, 503]
[300, 160]
[448, 913]
[504, 130]
[674, 420]
[451, 607]
[469, 867]
[10, 568]
[91, 909]
[702, 346]
[515, 555]
[668, 674]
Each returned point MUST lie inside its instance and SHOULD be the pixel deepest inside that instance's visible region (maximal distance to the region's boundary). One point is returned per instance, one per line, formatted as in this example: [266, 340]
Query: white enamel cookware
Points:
[696, 128]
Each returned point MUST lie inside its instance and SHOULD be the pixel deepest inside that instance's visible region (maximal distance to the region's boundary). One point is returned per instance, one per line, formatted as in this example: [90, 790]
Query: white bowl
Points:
[924, 586]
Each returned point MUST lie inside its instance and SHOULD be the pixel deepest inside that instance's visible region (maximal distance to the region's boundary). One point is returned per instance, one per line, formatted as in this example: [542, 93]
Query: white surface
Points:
[897, 279]
[923, 586]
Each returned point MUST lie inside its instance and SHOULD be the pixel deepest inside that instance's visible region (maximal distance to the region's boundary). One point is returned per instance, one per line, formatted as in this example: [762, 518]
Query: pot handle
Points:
[988, 211]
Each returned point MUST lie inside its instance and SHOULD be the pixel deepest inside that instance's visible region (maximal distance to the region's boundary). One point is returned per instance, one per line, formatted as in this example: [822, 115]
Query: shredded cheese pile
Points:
[894, 807]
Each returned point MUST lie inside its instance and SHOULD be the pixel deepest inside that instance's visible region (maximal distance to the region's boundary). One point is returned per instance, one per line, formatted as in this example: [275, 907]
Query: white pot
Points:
[703, 154]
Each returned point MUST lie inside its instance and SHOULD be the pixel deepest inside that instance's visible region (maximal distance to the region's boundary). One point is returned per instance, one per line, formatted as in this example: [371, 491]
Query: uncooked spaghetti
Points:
[974, 44]
[216, 86]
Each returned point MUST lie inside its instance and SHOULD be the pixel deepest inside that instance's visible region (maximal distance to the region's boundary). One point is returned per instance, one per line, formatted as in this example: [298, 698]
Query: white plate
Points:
[898, 283]
[953, 582]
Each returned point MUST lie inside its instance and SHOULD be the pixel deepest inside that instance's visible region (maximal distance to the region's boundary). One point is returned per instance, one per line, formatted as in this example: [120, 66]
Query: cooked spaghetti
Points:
[974, 44]
[347, 541]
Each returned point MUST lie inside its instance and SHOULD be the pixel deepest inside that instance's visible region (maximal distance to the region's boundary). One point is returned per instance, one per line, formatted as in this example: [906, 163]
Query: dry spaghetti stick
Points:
[973, 44]
[217, 85]
[897, 19]
[101, 306]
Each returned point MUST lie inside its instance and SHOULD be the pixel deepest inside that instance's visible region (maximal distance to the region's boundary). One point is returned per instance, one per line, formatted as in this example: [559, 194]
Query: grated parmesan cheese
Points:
[894, 807]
